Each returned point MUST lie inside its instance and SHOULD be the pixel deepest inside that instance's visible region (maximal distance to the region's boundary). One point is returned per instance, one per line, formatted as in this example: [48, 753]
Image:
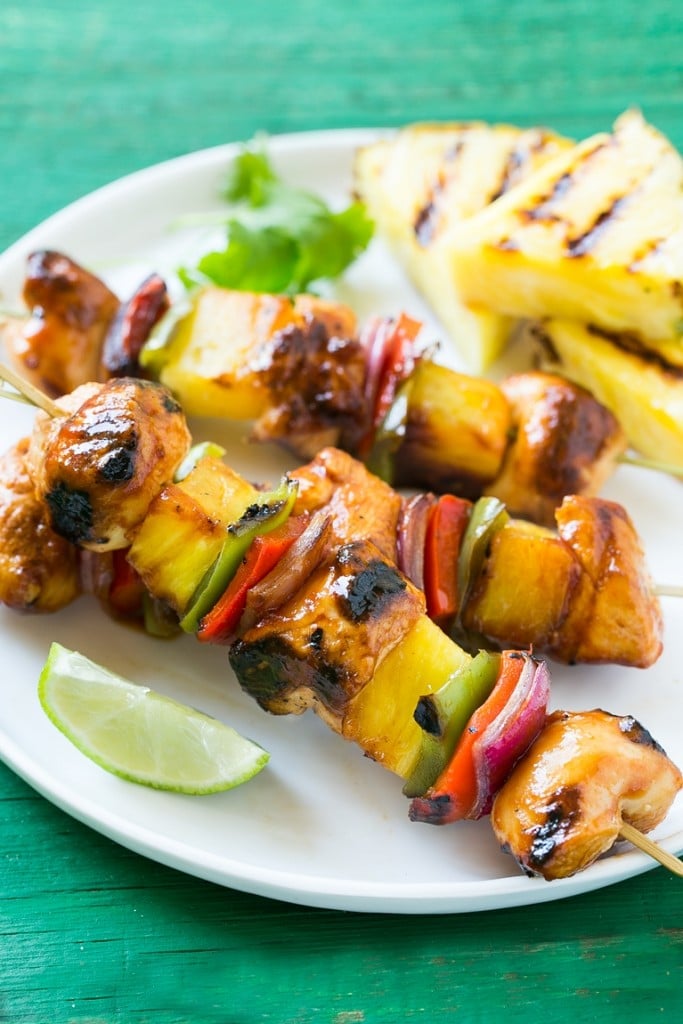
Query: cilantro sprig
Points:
[279, 238]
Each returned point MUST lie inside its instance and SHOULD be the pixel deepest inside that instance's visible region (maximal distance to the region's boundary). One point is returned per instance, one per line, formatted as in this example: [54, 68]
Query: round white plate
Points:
[322, 825]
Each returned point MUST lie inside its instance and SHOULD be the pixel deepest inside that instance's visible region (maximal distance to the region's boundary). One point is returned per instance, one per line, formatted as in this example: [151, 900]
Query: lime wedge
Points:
[141, 735]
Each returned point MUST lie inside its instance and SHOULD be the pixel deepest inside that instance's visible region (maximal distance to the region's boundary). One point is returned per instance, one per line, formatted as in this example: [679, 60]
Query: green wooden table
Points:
[90, 932]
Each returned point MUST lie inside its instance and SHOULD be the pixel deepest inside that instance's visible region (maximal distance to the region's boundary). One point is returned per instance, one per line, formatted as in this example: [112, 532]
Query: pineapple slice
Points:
[646, 397]
[420, 184]
[185, 528]
[596, 236]
[380, 717]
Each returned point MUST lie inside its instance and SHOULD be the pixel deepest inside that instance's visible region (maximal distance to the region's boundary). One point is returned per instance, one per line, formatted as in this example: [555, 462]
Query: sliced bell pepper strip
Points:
[220, 624]
[126, 590]
[454, 793]
[259, 518]
[444, 714]
[446, 528]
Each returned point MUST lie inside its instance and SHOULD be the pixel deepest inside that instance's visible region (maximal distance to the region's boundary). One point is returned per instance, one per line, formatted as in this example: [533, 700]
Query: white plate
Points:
[322, 825]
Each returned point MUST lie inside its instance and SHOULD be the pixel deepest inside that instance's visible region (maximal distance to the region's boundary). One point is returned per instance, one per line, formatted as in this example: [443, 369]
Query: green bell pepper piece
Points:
[259, 518]
[443, 716]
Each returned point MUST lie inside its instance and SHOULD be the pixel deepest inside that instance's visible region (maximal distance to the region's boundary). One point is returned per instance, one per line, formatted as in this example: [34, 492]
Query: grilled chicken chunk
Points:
[39, 570]
[99, 467]
[422, 183]
[322, 646]
[565, 801]
[360, 505]
[596, 235]
[59, 347]
[561, 442]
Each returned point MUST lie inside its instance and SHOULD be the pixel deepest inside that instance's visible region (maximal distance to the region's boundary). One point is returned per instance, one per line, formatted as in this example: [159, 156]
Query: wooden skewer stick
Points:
[32, 394]
[647, 845]
[668, 590]
[639, 460]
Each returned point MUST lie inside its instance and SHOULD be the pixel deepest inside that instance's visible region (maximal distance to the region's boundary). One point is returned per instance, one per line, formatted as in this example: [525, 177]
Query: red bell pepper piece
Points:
[126, 590]
[454, 794]
[445, 529]
[220, 624]
[397, 360]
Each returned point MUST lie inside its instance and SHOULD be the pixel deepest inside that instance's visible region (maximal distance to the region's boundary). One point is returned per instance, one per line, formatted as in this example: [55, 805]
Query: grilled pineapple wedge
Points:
[421, 183]
[596, 235]
[645, 396]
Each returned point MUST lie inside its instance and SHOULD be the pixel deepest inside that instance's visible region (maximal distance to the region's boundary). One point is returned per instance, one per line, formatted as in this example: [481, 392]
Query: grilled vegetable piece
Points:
[322, 647]
[563, 442]
[99, 467]
[39, 570]
[645, 394]
[456, 432]
[498, 732]
[360, 506]
[295, 366]
[595, 236]
[583, 594]
[58, 348]
[131, 326]
[266, 513]
[185, 528]
[421, 183]
[565, 801]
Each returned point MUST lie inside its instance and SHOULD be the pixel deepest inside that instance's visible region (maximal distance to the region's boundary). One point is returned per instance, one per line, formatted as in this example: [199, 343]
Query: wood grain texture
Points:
[89, 932]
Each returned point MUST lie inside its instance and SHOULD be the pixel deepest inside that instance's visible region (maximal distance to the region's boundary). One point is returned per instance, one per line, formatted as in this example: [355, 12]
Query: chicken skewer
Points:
[365, 614]
[302, 373]
[104, 474]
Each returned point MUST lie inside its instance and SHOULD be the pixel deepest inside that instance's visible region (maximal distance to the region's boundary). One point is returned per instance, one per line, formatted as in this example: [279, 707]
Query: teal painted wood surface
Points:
[89, 932]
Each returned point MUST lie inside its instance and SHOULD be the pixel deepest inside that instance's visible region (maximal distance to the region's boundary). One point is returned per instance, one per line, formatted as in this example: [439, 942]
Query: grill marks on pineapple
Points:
[531, 144]
[428, 216]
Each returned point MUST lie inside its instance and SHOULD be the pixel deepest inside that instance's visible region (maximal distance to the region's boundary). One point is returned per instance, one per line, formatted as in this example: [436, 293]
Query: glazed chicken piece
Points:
[59, 347]
[561, 442]
[564, 803]
[99, 466]
[360, 505]
[321, 647]
[314, 370]
[39, 570]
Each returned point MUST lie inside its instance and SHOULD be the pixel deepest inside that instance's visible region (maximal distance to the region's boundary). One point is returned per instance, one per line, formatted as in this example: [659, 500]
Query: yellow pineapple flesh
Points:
[185, 529]
[646, 397]
[596, 235]
[213, 361]
[422, 183]
[380, 717]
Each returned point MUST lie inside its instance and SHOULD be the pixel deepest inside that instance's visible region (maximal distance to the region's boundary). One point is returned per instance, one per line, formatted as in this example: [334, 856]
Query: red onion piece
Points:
[290, 573]
[411, 536]
[511, 733]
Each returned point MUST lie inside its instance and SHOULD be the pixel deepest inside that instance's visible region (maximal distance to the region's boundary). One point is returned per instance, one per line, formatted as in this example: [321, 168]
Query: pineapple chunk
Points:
[596, 235]
[422, 183]
[185, 528]
[646, 398]
[380, 718]
[213, 365]
[458, 431]
[526, 562]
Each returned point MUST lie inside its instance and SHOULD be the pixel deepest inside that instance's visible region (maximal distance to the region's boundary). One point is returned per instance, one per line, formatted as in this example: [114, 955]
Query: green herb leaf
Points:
[279, 238]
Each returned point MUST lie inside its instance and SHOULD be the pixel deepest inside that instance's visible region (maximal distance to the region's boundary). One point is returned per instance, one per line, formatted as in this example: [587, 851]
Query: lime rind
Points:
[142, 736]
